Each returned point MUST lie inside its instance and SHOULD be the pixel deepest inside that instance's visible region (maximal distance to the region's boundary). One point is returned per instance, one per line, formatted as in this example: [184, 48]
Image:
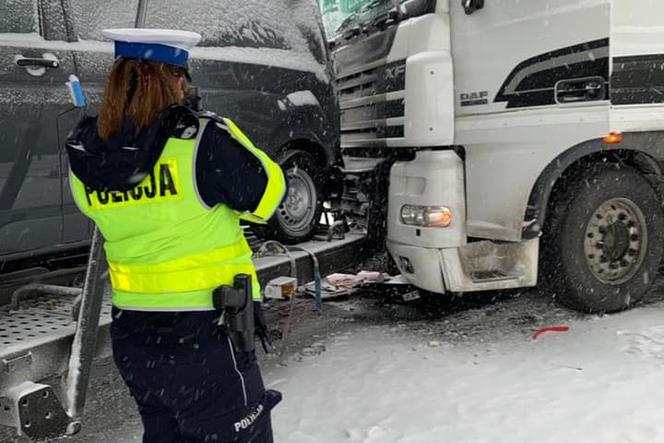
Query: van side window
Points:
[243, 23]
[92, 16]
[310, 24]
[18, 16]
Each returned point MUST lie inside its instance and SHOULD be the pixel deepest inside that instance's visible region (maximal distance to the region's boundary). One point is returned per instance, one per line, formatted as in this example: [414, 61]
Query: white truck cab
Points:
[527, 139]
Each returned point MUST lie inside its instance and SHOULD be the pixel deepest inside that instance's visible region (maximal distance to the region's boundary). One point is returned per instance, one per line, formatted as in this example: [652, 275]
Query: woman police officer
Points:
[167, 189]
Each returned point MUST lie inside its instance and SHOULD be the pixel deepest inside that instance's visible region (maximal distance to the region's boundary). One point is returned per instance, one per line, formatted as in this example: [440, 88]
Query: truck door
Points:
[531, 81]
[34, 65]
[510, 54]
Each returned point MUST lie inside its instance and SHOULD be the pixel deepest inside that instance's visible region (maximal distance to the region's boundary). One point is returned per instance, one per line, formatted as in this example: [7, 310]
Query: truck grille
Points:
[372, 101]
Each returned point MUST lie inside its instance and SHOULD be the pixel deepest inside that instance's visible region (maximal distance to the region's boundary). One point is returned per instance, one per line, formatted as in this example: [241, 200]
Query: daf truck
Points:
[524, 139]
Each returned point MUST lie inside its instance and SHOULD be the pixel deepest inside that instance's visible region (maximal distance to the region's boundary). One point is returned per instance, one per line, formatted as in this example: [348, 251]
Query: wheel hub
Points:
[296, 201]
[616, 241]
[297, 209]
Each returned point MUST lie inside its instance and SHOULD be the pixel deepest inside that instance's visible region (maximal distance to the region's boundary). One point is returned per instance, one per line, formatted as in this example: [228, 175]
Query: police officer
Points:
[167, 188]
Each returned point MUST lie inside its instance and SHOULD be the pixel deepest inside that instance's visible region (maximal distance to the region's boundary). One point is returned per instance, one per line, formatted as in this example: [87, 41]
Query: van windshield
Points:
[343, 16]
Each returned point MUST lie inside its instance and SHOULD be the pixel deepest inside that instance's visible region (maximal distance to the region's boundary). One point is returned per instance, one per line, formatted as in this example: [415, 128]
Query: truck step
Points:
[493, 276]
[360, 165]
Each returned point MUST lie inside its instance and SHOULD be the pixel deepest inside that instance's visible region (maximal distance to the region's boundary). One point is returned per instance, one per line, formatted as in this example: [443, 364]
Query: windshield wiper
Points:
[388, 18]
[347, 21]
[349, 32]
[371, 5]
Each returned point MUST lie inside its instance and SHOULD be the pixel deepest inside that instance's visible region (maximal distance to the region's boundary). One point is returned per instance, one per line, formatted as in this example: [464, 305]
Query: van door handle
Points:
[37, 62]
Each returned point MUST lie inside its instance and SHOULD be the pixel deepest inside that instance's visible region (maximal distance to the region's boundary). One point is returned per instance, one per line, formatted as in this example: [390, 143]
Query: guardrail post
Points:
[85, 338]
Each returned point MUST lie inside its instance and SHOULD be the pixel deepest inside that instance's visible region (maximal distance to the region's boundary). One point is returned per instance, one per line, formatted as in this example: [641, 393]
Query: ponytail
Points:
[137, 89]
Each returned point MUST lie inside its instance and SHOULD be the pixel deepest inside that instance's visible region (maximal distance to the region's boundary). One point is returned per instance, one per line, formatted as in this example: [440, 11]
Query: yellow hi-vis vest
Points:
[166, 249]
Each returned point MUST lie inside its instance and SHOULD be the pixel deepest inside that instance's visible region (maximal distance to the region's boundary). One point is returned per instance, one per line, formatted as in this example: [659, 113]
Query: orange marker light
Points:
[613, 138]
[426, 216]
[439, 217]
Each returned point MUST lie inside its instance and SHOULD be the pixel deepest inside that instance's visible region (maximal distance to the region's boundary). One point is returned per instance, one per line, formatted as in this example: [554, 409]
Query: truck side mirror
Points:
[471, 6]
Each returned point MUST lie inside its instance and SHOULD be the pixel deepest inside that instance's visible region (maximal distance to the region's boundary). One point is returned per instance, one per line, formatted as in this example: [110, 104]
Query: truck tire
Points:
[606, 243]
[298, 216]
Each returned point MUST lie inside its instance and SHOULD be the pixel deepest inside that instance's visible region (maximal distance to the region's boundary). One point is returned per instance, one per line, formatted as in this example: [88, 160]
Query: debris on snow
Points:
[387, 385]
[339, 285]
[541, 331]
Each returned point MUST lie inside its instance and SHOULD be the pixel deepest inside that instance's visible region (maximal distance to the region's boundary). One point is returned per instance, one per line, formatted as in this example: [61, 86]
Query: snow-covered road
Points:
[603, 381]
[376, 372]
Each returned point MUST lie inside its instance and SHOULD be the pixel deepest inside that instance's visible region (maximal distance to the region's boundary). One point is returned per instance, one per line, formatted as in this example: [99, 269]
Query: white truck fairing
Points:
[637, 51]
[535, 89]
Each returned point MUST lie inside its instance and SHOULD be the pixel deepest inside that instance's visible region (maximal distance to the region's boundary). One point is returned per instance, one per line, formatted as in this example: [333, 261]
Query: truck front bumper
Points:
[478, 266]
[421, 266]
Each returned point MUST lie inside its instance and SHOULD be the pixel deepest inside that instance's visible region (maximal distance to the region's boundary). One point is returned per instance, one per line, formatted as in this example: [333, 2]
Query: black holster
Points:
[237, 311]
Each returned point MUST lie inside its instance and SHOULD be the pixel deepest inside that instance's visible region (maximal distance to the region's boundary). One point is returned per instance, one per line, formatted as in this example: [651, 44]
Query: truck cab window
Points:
[340, 15]
[346, 17]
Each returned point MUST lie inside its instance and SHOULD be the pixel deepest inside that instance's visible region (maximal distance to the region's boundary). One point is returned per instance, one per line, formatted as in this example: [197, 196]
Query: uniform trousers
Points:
[189, 383]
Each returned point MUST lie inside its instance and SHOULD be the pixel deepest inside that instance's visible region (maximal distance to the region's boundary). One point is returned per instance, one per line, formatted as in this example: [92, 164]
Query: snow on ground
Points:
[375, 371]
[603, 381]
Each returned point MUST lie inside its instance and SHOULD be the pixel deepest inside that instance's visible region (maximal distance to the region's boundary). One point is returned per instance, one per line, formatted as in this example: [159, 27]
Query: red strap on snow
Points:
[541, 331]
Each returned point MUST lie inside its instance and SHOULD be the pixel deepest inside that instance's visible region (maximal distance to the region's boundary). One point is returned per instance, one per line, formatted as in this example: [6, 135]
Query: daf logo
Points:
[474, 95]
[395, 71]
[474, 98]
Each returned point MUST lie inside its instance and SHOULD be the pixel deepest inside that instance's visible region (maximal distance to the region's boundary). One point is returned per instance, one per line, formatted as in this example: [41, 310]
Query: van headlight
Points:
[426, 216]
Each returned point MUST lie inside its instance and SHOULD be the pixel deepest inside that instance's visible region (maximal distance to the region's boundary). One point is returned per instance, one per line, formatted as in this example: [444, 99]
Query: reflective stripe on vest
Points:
[276, 182]
[191, 273]
[166, 250]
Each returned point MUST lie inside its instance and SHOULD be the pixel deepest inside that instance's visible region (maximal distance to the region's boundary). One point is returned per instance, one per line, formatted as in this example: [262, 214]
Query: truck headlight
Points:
[426, 216]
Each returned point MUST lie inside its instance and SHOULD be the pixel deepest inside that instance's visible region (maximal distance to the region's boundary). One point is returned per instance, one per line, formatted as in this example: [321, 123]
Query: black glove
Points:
[260, 326]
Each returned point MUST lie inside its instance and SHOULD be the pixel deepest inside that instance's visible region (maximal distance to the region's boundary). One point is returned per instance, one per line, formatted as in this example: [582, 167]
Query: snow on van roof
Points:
[285, 24]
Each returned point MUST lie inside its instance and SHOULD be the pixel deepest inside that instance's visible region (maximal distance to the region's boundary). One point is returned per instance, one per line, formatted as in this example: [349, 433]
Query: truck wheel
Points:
[606, 241]
[298, 216]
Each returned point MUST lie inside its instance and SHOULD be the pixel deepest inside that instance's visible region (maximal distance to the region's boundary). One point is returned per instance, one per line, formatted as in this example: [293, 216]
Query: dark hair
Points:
[139, 89]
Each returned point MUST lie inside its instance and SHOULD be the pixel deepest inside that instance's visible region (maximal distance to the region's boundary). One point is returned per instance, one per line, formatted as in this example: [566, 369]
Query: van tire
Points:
[605, 241]
[298, 216]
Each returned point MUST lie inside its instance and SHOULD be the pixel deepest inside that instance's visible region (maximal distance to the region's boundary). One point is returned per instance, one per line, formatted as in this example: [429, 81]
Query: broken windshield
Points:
[341, 15]
[349, 16]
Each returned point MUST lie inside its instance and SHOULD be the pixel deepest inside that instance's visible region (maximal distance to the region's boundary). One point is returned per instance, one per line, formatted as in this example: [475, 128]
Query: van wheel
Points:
[606, 241]
[299, 214]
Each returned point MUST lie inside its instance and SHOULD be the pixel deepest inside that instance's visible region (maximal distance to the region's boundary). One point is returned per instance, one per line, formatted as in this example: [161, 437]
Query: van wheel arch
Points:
[312, 147]
[297, 217]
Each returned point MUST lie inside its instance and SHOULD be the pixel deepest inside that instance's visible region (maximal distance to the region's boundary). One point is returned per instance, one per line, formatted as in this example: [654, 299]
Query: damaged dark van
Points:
[262, 64]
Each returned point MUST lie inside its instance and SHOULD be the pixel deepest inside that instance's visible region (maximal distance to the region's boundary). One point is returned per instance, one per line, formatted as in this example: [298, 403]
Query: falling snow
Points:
[599, 382]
